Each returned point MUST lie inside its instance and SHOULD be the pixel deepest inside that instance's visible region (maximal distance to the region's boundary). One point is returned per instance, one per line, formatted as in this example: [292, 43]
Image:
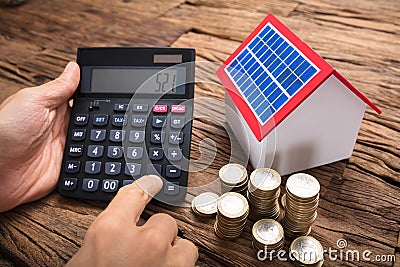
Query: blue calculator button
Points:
[140, 108]
[112, 168]
[92, 167]
[117, 135]
[157, 137]
[156, 153]
[98, 135]
[100, 119]
[115, 152]
[171, 189]
[175, 138]
[154, 169]
[110, 185]
[139, 121]
[119, 120]
[173, 171]
[90, 185]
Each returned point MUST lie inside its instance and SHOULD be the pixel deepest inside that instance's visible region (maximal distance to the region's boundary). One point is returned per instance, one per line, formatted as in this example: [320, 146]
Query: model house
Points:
[289, 109]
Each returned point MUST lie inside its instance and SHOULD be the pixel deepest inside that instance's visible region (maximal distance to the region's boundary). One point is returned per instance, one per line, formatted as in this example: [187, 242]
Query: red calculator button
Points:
[178, 109]
[160, 108]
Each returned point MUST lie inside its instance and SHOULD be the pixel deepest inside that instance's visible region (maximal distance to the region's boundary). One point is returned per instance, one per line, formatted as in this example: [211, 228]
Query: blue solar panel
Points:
[269, 71]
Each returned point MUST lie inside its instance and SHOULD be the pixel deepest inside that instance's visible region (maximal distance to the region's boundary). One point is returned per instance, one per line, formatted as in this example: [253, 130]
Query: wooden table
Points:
[360, 197]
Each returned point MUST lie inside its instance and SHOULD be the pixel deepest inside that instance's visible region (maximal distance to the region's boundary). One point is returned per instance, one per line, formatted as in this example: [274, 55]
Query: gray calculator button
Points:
[173, 171]
[119, 120]
[117, 135]
[78, 134]
[157, 137]
[140, 108]
[90, 185]
[95, 151]
[110, 185]
[155, 169]
[97, 135]
[127, 182]
[133, 169]
[136, 136]
[134, 152]
[177, 122]
[171, 189]
[139, 121]
[114, 152]
[93, 167]
[175, 138]
[75, 150]
[174, 154]
[81, 119]
[100, 119]
[112, 168]
[72, 166]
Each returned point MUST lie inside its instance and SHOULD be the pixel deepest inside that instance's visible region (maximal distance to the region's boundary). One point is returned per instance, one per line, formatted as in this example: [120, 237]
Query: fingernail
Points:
[150, 184]
[69, 68]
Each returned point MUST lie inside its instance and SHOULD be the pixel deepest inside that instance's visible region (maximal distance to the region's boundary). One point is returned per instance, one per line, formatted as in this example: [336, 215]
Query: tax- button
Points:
[100, 120]
[75, 150]
[81, 119]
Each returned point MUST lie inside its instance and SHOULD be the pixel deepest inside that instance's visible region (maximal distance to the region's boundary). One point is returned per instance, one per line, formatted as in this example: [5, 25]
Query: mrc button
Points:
[81, 119]
[75, 150]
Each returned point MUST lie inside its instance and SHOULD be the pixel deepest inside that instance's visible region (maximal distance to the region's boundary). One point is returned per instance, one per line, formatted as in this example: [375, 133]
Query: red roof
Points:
[259, 130]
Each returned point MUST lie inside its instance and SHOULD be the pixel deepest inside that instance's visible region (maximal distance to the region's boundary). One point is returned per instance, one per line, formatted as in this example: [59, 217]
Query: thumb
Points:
[62, 88]
[131, 199]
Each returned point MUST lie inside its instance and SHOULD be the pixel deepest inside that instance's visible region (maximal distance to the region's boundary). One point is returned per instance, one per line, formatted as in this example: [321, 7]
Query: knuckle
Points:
[165, 218]
[105, 223]
[133, 189]
[155, 240]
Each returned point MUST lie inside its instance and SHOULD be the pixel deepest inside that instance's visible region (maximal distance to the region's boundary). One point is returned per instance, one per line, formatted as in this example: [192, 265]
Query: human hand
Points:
[115, 239]
[33, 128]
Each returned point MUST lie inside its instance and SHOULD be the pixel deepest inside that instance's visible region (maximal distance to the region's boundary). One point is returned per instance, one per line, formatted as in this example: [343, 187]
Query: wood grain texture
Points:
[360, 197]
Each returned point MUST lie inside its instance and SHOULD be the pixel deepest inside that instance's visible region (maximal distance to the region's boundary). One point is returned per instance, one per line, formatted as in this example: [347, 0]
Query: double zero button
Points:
[92, 185]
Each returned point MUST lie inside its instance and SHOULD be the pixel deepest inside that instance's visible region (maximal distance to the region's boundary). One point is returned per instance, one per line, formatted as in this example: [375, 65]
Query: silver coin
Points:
[232, 174]
[303, 185]
[206, 203]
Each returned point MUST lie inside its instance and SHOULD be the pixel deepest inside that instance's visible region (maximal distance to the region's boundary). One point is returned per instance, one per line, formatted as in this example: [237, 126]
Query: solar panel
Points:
[269, 71]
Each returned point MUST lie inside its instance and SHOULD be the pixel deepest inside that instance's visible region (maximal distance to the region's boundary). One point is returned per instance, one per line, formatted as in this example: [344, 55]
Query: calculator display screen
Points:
[142, 80]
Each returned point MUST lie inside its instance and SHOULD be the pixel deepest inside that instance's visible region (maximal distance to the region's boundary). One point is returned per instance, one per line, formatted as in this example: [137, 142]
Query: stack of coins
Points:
[263, 193]
[307, 251]
[232, 211]
[301, 203]
[205, 204]
[268, 237]
[233, 178]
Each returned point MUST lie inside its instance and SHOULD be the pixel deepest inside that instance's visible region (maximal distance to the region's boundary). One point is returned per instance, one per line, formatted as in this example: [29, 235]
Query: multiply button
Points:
[72, 166]
[156, 153]
[81, 119]
[178, 109]
[100, 120]
[140, 108]
[160, 108]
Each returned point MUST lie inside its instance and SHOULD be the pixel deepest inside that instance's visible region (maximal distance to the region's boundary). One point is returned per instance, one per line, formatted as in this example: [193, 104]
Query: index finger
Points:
[131, 200]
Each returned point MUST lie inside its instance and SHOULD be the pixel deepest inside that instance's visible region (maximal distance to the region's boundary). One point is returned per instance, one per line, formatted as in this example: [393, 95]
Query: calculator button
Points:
[173, 171]
[72, 166]
[156, 153]
[97, 135]
[121, 107]
[117, 135]
[81, 119]
[95, 151]
[154, 169]
[110, 185]
[135, 152]
[100, 119]
[70, 184]
[174, 154]
[133, 169]
[114, 152]
[139, 121]
[175, 138]
[136, 136]
[112, 168]
[177, 122]
[140, 108]
[78, 134]
[178, 109]
[157, 137]
[93, 167]
[127, 182]
[75, 150]
[160, 108]
[171, 189]
[90, 185]
[119, 120]
[159, 121]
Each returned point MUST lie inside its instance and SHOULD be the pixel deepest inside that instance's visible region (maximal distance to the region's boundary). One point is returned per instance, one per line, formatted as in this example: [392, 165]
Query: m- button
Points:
[81, 119]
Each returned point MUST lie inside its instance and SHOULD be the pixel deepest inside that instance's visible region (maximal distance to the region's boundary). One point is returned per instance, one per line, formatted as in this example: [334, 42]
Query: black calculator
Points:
[131, 116]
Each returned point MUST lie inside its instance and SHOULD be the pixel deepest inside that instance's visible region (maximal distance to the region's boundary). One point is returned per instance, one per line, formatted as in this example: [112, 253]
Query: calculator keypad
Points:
[155, 137]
